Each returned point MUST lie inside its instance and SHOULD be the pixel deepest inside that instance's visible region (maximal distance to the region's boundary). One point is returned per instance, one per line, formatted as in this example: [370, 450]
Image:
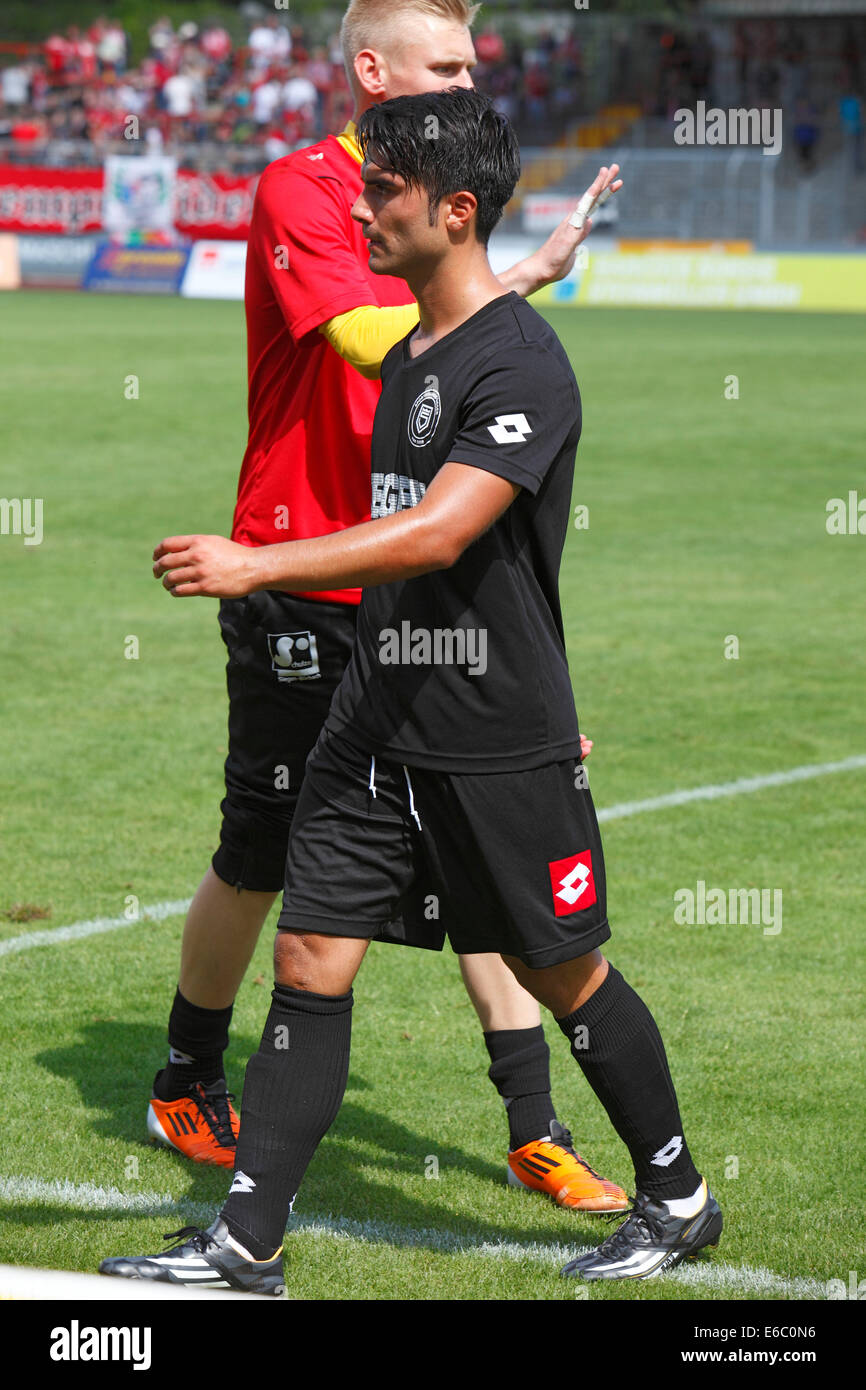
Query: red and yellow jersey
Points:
[306, 470]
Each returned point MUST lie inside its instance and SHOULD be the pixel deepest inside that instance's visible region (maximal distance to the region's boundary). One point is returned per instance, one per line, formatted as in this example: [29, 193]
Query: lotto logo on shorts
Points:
[294, 655]
[572, 883]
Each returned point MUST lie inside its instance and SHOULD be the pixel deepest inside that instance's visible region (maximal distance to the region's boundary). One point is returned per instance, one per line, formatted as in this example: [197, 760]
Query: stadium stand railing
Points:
[730, 194]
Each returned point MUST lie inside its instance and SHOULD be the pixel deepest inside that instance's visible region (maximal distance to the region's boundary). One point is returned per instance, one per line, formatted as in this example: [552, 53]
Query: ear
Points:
[369, 71]
[461, 208]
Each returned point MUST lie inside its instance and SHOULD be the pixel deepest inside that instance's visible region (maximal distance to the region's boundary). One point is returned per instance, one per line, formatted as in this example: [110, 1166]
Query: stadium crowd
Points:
[274, 92]
[765, 62]
[71, 96]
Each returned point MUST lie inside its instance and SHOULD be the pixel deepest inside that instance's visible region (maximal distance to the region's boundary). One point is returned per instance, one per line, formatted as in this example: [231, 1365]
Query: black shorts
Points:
[507, 862]
[286, 657]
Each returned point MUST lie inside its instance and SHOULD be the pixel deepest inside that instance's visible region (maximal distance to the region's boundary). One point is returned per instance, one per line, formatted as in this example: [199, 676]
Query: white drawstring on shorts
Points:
[412, 810]
[372, 789]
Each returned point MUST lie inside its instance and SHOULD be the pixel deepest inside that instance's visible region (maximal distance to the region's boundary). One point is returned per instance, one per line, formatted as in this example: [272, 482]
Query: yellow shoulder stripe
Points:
[349, 140]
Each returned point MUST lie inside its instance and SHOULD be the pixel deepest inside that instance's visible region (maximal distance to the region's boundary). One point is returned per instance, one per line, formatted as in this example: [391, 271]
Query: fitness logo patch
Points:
[572, 883]
[424, 417]
[294, 655]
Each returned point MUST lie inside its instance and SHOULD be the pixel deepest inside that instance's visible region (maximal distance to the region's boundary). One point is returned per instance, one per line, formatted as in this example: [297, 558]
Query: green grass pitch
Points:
[706, 522]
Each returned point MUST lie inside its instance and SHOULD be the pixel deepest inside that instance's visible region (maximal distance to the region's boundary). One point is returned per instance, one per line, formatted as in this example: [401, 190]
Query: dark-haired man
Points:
[441, 764]
[319, 323]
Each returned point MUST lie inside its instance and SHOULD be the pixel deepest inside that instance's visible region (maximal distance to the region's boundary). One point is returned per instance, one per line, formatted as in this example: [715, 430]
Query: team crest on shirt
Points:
[424, 417]
[294, 656]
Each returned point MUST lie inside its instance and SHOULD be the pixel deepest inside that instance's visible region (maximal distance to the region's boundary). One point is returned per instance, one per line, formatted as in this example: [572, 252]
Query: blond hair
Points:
[370, 23]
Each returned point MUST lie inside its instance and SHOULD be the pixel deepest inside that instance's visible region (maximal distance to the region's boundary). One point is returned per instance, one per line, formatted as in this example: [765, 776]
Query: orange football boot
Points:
[203, 1125]
[551, 1166]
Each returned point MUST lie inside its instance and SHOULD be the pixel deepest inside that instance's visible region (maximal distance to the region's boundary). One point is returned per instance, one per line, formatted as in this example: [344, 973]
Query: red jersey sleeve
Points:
[303, 237]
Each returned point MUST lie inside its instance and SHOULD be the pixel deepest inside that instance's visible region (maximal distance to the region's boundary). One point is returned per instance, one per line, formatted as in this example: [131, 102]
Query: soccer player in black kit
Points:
[448, 757]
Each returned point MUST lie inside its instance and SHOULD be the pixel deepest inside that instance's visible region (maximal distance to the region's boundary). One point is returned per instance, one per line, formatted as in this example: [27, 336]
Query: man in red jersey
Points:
[319, 323]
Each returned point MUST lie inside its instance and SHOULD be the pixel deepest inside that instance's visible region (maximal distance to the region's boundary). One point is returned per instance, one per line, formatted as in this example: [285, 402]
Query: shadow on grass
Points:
[108, 1065]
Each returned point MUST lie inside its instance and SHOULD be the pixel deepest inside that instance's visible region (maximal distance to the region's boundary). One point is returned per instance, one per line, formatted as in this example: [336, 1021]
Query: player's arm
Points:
[460, 504]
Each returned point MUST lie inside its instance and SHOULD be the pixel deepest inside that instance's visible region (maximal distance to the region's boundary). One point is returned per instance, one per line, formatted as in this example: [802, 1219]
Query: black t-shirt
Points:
[464, 669]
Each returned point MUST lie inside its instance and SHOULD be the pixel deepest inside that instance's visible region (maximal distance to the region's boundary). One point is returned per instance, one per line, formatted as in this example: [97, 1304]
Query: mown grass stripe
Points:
[88, 1197]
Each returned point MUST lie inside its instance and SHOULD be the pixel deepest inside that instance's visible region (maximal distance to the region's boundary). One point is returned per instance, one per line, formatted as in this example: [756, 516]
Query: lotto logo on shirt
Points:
[573, 883]
[510, 429]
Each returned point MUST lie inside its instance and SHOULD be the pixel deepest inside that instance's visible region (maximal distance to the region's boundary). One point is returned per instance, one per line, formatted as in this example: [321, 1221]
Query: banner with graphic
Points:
[138, 194]
[117, 269]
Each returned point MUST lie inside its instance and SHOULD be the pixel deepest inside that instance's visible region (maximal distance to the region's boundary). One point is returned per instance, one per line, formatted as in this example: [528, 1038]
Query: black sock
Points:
[615, 1041]
[520, 1071]
[293, 1089]
[202, 1035]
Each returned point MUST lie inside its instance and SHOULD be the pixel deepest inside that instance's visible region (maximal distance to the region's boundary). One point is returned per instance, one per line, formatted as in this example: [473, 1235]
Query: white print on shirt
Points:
[394, 492]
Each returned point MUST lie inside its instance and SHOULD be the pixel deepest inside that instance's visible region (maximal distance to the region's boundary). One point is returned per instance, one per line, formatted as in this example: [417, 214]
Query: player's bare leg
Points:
[499, 1000]
[562, 988]
[219, 937]
[317, 964]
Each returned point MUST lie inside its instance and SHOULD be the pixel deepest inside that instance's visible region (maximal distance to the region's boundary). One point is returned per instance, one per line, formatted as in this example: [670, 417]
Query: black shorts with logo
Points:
[286, 657]
[506, 862]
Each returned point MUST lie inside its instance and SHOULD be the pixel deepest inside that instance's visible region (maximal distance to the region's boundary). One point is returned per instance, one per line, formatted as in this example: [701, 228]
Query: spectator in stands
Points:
[29, 130]
[266, 100]
[300, 52]
[851, 57]
[851, 117]
[55, 47]
[132, 96]
[162, 41]
[270, 45]
[110, 42]
[701, 66]
[806, 134]
[299, 93]
[15, 85]
[182, 94]
[490, 46]
[216, 45]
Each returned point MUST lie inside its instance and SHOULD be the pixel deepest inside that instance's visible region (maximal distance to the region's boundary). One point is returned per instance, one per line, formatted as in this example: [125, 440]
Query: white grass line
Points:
[709, 1274]
[158, 911]
[738, 788]
[62, 1286]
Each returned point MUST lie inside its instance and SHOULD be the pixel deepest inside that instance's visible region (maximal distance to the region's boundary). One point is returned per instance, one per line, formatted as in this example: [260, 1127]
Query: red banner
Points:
[50, 200]
[69, 201]
[215, 206]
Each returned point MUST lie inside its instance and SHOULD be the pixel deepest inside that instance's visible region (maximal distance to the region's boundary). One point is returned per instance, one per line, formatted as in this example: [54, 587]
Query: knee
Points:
[296, 962]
